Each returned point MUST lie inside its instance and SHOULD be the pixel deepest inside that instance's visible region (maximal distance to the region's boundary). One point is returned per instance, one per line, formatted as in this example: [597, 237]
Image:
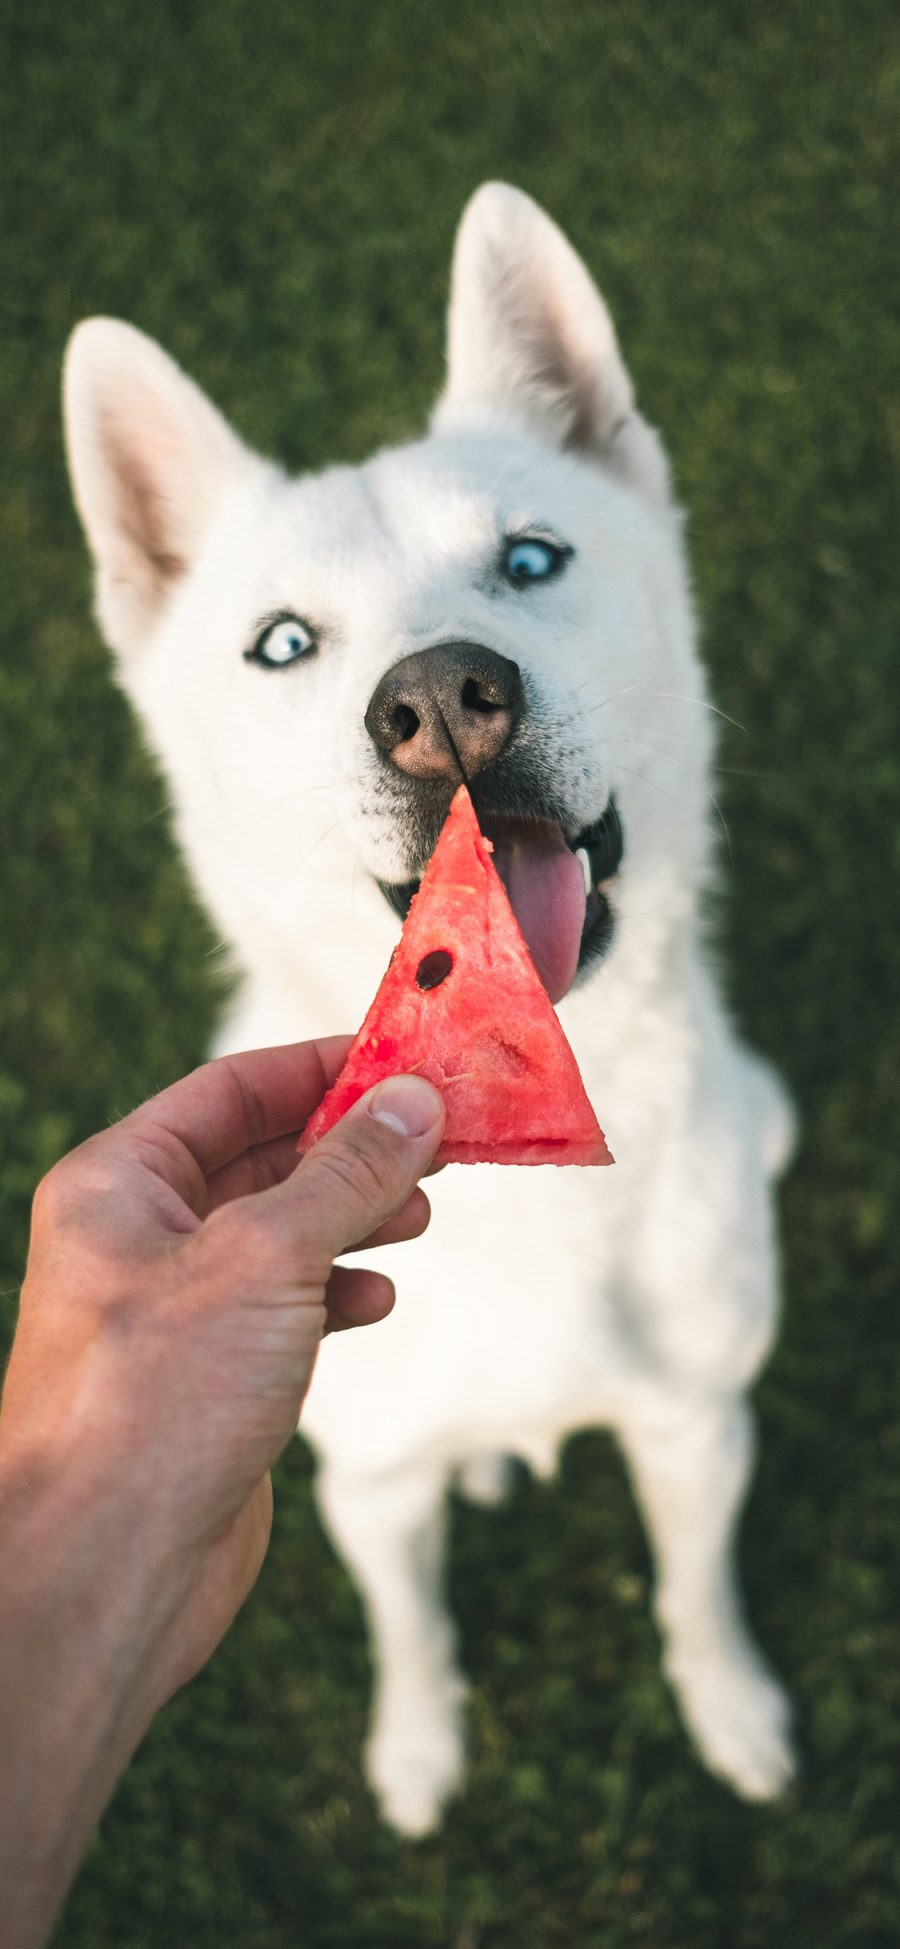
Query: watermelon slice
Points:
[462, 1004]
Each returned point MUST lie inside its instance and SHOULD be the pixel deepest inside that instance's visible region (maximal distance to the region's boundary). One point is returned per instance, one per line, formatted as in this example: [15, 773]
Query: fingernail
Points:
[406, 1104]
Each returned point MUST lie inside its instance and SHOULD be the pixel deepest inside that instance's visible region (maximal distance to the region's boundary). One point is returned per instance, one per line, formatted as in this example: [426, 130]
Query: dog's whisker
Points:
[655, 786]
[298, 792]
[237, 829]
[724, 824]
[702, 703]
[608, 669]
[159, 812]
[746, 771]
[644, 780]
[266, 904]
[357, 874]
[645, 744]
[167, 807]
[648, 746]
[613, 697]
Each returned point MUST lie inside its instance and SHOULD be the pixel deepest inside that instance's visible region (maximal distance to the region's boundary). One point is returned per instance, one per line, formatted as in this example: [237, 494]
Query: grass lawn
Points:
[272, 191]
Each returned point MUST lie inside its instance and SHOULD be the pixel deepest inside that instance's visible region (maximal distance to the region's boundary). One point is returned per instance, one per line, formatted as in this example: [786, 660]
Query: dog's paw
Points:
[413, 1772]
[486, 1479]
[740, 1719]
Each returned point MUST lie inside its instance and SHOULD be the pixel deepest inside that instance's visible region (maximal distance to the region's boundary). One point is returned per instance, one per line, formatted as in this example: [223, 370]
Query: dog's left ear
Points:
[530, 339]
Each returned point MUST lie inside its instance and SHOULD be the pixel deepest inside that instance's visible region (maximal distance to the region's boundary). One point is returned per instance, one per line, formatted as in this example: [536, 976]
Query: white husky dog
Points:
[308, 658]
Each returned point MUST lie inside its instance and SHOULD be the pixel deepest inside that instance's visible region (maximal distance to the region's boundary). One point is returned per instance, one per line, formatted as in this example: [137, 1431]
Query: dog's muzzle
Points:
[451, 713]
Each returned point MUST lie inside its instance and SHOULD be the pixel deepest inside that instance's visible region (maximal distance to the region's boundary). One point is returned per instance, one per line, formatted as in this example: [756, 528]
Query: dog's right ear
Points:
[150, 460]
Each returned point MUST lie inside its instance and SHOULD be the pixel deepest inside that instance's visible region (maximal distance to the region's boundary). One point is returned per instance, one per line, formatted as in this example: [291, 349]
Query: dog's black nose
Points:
[454, 706]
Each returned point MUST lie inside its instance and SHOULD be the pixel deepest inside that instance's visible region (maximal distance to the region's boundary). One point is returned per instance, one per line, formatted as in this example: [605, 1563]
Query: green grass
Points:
[272, 191]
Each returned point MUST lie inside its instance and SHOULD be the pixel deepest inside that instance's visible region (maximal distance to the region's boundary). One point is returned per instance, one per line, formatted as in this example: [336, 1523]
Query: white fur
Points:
[641, 1297]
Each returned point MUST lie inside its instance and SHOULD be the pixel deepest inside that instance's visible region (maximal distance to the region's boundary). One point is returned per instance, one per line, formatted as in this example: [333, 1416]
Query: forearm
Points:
[73, 1699]
[169, 1322]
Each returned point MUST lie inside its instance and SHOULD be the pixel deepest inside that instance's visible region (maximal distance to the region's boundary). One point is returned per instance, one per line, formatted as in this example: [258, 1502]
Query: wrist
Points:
[75, 1699]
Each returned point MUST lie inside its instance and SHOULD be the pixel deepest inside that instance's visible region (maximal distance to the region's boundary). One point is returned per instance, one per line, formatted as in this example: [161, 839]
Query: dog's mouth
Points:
[557, 885]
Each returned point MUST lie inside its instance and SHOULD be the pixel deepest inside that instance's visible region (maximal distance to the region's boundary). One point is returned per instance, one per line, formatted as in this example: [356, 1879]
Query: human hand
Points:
[180, 1279]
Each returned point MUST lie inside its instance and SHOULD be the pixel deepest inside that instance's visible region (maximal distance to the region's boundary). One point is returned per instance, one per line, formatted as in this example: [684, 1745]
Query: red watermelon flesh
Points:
[462, 1004]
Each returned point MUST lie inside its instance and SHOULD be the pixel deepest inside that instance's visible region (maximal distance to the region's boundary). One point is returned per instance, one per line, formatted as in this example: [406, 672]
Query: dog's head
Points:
[319, 661]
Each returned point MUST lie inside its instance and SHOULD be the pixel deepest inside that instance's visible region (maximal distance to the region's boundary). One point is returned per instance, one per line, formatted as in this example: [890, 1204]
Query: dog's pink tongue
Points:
[546, 891]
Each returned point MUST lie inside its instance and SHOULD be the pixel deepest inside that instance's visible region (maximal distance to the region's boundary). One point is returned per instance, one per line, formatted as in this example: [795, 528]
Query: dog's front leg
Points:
[690, 1459]
[390, 1530]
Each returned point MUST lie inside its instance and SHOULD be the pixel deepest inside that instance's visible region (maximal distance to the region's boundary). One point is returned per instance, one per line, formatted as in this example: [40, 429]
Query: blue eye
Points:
[284, 641]
[531, 560]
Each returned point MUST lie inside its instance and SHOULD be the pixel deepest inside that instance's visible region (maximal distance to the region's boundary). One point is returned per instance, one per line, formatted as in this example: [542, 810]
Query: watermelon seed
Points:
[434, 968]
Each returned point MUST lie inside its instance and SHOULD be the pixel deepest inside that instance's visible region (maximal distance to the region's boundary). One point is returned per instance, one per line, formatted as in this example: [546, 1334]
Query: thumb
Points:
[361, 1172]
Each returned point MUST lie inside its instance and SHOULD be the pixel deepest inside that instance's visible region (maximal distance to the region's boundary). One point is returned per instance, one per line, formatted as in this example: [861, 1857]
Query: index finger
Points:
[235, 1102]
